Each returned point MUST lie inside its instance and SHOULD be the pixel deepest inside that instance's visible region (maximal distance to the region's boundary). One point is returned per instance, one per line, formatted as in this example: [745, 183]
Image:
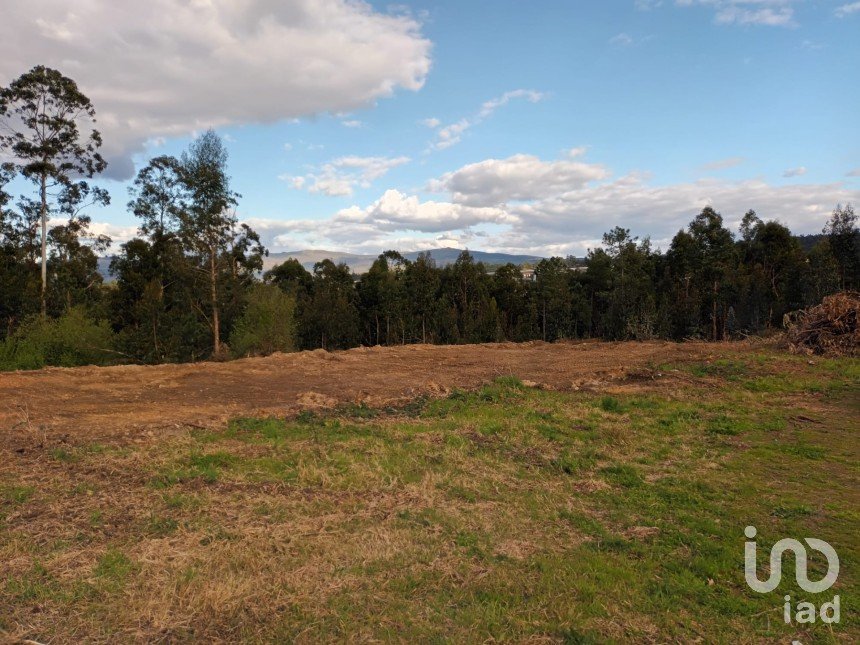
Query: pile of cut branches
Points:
[831, 328]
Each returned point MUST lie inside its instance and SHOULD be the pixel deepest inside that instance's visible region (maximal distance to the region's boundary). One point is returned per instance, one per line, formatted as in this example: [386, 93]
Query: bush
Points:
[267, 325]
[70, 340]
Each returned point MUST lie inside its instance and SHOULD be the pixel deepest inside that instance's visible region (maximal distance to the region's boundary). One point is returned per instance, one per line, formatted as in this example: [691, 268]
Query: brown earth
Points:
[75, 404]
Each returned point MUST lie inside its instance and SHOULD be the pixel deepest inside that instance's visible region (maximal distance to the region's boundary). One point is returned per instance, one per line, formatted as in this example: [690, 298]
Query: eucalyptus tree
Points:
[844, 238]
[43, 116]
[227, 253]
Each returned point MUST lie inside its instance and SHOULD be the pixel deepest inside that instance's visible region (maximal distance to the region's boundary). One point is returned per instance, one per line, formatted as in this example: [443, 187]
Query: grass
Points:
[507, 513]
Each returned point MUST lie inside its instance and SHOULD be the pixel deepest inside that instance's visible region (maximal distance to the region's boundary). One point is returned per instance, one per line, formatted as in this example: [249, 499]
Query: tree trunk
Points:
[544, 321]
[213, 294]
[714, 314]
[44, 218]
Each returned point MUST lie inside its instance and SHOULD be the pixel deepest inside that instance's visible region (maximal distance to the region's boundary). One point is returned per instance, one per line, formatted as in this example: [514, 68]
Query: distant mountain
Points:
[359, 263]
[104, 267]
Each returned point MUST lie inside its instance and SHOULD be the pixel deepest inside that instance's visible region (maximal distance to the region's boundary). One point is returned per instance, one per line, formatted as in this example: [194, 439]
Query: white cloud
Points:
[772, 13]
[339, 177]
[853, 173]
[352, 123]
[626, 40]
[847, 9]
[451, 134]
[492, 105]
[431, 122]
[118, 233]
[647, 5]
[517, 178]
[722, 164]
[795, 172]
[164, 68]
[527, 205]
[622, 39]
[395, 220]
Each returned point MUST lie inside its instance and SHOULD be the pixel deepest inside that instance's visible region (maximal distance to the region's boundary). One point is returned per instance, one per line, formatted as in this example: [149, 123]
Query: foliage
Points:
[70, 340]
[267, 325]
[41, 114]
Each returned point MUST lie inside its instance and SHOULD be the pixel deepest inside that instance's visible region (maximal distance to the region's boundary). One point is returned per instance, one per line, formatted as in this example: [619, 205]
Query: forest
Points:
[190, 286]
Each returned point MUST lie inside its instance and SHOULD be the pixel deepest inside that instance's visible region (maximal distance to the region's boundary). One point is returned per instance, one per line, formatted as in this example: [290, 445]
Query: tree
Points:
[382, 296]
[513, 296]
[209, 228]
[267, 325]
[422, 289]
[844, 238]
[41, 112]
[331, 318]
[291, 277]
[156, 196]
[771, 264]
[552, 287]
[714, 248]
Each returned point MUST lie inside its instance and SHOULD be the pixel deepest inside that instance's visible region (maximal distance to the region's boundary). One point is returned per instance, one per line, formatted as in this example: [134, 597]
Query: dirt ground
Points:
[76, 404]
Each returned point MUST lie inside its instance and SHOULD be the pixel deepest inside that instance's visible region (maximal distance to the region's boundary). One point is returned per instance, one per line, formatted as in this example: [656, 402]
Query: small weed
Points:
[623, 475]
[611, 404]
[790, 511]
[61, 454]
[16, 494]
[161, 526]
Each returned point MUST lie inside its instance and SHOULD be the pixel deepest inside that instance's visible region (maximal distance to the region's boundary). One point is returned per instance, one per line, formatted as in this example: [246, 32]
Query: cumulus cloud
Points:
[339, 177]
[395, 220]
[847, 9]
[119, 234]
[772, 13]
[527, 205]
[795, 172]
[451, 134]
[517, 178]
[168, 67]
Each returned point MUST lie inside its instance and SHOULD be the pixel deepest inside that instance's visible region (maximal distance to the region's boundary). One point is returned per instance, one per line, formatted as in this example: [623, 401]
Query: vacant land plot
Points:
[110, 401]
[582, 494]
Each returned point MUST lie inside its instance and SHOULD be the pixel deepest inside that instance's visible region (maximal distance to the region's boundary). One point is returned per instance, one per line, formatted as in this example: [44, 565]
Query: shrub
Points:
[70, 340]
[267, 325]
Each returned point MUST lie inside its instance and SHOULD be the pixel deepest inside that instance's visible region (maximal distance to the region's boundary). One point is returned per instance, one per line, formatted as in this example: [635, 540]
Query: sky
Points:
[523, 126]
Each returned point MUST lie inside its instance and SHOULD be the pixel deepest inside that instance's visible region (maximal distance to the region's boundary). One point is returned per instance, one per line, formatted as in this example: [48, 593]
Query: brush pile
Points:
[831, 328]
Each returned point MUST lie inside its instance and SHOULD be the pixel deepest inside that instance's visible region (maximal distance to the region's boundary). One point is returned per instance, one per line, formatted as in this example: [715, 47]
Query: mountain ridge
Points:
[361, 262]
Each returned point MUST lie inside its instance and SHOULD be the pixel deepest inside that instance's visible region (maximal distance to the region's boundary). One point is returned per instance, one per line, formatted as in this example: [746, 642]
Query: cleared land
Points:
[544, 493]
[106, 401]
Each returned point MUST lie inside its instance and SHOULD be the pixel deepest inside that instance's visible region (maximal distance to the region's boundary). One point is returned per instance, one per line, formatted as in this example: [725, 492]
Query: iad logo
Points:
[805, 610]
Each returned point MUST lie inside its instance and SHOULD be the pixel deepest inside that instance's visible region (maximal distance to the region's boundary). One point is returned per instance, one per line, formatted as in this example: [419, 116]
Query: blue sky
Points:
[506, 125]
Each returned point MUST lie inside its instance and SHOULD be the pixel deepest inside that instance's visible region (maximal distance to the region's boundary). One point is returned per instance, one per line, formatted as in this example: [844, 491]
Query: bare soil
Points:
[79, 404]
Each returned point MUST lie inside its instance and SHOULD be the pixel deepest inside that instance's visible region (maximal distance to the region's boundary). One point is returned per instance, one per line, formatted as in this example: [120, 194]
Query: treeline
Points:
[709, 284]
[191, 287]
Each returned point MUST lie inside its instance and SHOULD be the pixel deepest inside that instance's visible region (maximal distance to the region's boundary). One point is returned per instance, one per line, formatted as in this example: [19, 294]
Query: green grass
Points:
[507, 514]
